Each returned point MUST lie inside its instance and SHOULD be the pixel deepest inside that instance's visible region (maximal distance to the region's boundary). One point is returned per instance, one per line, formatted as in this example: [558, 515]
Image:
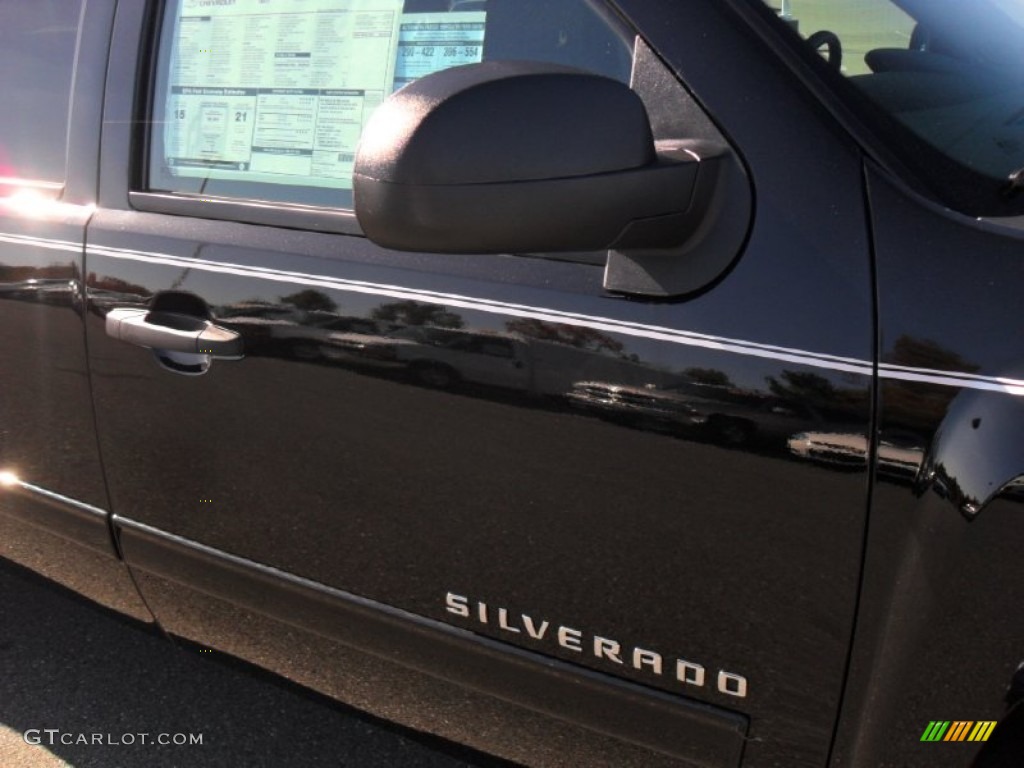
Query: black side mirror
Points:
[505, 157]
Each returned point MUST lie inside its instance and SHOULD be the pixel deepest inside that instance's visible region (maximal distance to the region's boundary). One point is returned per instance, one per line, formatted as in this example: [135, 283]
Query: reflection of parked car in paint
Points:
[898, 456]
[282, 330]
[729, 415]
[647, 406]
[442, 357]
[306, 341]
[362, 345]
[438, 357]
[41, 289]
[809, 254]
[256, 322]
[102, 300]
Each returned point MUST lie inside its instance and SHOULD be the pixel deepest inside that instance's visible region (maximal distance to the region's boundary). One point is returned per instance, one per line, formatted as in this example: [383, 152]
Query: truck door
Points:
[626, 563]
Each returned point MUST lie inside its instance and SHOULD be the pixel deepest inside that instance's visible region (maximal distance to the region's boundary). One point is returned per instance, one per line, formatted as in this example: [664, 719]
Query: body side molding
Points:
[72, 519]
[695, 732]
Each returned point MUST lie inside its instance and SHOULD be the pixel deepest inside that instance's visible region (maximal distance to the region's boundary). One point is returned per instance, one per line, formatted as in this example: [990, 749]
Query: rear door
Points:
[53, 504]
[709, 572]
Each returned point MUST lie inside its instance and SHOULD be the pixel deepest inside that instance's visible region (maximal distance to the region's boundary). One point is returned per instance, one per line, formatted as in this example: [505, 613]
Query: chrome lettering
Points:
[607, 649]
[503, 621]
[732, 685]
[457, 604]
[570, 638]
[532, 630]
[644, 661]
[689, 673]
[642, 657]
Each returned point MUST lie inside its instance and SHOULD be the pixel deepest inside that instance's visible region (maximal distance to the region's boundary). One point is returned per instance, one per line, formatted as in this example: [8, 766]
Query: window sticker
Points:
[430, 42]
[277, 91]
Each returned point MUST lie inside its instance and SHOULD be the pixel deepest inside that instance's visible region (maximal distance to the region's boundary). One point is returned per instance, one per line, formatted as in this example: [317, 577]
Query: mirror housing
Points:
[506, 157]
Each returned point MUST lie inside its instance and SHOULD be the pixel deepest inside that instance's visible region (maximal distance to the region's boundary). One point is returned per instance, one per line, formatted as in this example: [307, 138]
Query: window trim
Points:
[869, 125]
[273, 214]
[285, 214]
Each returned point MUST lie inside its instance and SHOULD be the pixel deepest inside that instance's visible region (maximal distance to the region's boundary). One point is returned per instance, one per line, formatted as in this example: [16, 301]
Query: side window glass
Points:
[861, 26]
[37, 56]
[266, 99]
[943, 81]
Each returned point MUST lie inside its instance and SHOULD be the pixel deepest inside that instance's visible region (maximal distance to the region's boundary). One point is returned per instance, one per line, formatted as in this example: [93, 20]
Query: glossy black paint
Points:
[400, 468]
[47, 432]
[38, 297]
[975, 454]
[939, 630]
[687, 477]
[671, 726]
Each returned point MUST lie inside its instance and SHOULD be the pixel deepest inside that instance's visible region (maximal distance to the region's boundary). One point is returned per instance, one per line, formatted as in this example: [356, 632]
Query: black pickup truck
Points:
[594, 383]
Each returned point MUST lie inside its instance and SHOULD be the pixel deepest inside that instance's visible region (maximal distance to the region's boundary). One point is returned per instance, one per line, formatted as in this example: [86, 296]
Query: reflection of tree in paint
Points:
[796, 385]
[814, 390]
[918, 405]
[712, 377]
[582, 338]
[925, 353]
[414, 313]
[12, 274]
[107, 283]
[311, 300]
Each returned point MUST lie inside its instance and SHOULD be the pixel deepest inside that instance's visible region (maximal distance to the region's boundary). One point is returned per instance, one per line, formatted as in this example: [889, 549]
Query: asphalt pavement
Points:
[81, 686]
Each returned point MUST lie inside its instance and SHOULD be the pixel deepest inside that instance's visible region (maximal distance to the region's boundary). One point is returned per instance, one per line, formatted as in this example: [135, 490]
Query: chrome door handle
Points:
[171, 332]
